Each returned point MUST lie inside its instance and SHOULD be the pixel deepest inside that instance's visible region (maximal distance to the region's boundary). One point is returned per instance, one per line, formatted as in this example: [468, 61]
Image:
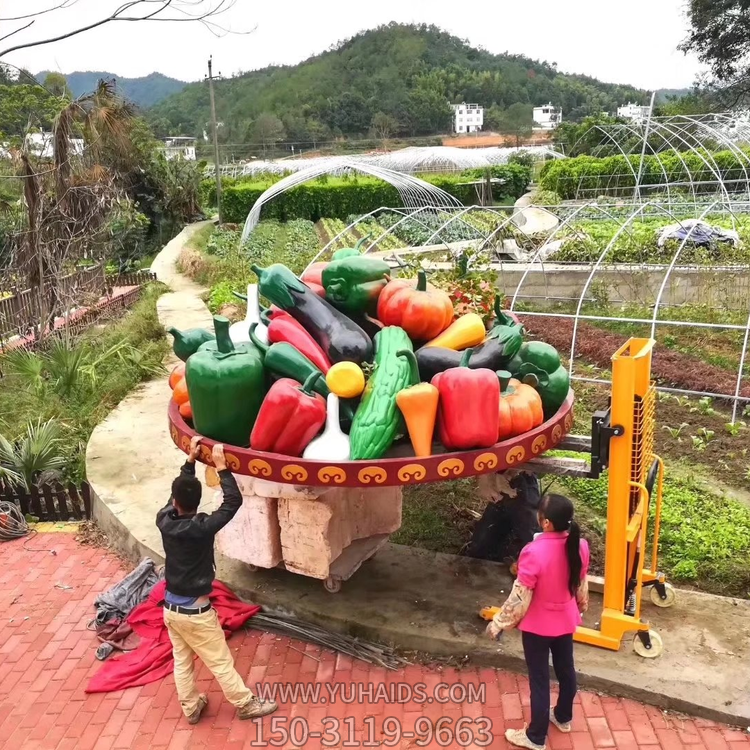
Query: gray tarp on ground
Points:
[117, 602]
[697, 232]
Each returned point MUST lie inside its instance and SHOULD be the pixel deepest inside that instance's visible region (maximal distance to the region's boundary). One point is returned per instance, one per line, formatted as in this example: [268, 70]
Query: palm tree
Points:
[33, 459]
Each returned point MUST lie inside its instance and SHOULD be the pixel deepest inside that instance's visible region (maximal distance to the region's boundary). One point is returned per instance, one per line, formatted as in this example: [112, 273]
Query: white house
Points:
[467, 118]
[40, 144]
[633, 111]
[179, 147]
[547, 117]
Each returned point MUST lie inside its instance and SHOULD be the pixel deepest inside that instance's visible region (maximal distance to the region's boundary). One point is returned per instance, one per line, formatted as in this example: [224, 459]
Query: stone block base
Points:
[253, 536]
[306, 528]
[314, 534]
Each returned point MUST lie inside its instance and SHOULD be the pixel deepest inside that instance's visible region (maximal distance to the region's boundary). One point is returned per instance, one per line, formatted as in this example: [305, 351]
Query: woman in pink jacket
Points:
[546, 603]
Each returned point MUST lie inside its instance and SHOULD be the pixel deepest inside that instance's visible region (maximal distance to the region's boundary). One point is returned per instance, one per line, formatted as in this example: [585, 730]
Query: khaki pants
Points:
[202, 635]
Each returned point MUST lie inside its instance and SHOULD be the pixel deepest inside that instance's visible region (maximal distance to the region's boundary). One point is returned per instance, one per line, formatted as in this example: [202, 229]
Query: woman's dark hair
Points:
[558, 510]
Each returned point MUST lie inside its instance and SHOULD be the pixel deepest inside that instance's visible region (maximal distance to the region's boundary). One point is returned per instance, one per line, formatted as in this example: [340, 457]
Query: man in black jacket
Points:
[192, 624]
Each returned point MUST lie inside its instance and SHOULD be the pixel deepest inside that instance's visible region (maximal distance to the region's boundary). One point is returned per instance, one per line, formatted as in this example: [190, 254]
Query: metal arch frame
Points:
[720, 204]
[413, 213]
[598, 263]
[563, 225]
[679, 134]
[424, 159]
[413, 191]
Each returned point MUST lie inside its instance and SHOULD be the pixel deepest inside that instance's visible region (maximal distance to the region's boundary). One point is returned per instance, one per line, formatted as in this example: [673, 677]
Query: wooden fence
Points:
[51, 502]
[77, 323]
[19, 312]
[130, 278]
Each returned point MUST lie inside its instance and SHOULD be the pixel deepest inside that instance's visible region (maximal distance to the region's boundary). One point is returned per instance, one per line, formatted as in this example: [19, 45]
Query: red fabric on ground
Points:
[152, 660]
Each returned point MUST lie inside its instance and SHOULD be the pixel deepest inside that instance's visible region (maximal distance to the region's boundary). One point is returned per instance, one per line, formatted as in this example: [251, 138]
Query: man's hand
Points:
[493, 631]
[194, 445]
[217, 454]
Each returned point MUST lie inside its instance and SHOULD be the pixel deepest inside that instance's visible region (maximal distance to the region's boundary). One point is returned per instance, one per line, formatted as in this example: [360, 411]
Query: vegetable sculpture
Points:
[338, 336]
[538, 364]
[226, 387]
[351, 350]
[377, 419]
[422, 313]
[291, 416]
[469, 411]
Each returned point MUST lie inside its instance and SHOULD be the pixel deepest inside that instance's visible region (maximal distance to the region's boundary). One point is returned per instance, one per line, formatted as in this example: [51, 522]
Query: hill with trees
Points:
[144, 92]
[396, 80]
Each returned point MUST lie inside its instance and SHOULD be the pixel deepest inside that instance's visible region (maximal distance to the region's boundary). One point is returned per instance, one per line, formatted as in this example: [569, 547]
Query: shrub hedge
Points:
[339, 197]
[586, 175]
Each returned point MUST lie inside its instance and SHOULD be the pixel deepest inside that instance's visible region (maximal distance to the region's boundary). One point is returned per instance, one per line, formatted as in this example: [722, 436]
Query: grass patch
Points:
[439, 516]
[705, 537]
[217, 260]
[89, 378]
[199, 240]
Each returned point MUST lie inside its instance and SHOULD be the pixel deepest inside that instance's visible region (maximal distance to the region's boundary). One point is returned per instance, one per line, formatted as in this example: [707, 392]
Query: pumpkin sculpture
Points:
[520, 407]
[423, 313]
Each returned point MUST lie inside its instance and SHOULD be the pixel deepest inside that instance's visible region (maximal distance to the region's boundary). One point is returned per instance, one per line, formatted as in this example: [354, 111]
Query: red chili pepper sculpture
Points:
[469, 407]
[283, 327]
[290, 417]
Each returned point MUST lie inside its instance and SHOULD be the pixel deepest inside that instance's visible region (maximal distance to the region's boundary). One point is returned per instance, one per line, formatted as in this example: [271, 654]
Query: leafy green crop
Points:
[705, 537]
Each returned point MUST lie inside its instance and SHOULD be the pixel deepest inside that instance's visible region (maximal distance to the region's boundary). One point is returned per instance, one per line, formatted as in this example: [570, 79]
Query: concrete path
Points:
[130, 457]
[47, 659]
[410, 597]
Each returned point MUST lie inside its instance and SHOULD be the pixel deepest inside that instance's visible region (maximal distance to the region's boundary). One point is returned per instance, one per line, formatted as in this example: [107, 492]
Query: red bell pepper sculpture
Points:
[290, 417]
[283, 327]
[469, 406]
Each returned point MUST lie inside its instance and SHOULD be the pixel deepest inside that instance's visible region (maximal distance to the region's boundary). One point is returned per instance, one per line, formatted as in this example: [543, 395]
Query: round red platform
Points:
[394, 470]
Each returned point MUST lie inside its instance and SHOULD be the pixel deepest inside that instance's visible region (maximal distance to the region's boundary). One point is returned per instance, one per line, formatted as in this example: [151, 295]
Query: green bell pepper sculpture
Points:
[187, 343]
[538, 364]
[226, 386]
[354, 284]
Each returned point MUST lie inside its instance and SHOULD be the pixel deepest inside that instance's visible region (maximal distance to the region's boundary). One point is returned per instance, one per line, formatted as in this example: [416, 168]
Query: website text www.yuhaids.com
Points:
[367, 692]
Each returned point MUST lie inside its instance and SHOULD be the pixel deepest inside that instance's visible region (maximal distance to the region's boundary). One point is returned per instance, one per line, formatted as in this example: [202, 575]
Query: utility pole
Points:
[216, 137]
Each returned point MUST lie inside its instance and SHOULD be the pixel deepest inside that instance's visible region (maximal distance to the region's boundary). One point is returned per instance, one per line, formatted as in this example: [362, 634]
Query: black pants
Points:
[536, 649]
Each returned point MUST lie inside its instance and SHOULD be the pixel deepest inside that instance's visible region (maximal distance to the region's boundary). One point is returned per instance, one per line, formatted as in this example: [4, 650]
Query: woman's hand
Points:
[493, 631]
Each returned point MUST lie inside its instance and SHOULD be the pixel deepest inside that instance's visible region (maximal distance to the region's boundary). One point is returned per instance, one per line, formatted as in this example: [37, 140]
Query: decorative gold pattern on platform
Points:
[371, 474]
[417, 472]
[451, 467]
[232, 461]
[212, 477]
[515, 455]
[259, 468]
[185, 443]
[568, 421]
[175, 435]
[556, 433]
[539, 444]
[485, 461]
[332, 475]
[294, 472]
[206, 455]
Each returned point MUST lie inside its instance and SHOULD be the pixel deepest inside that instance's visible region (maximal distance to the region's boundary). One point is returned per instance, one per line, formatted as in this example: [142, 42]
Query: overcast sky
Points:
[634, 42]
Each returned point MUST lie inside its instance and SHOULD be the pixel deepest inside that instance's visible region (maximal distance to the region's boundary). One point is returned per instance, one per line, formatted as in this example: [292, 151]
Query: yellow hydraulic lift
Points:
[622, 441]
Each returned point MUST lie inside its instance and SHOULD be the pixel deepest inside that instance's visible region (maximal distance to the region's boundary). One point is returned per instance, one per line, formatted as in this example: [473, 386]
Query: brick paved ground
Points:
[47, 657]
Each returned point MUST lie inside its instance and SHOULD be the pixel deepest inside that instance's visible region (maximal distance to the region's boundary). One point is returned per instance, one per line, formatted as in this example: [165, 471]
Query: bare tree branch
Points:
[152, 10]
[17, 31]
[35, 14]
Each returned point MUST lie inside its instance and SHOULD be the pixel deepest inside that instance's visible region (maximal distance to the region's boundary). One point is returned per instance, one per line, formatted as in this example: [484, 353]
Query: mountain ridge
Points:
[144, 91]
[407, 73]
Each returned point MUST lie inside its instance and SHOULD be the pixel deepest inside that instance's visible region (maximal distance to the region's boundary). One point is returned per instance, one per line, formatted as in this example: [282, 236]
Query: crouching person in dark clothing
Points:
[192, 623]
